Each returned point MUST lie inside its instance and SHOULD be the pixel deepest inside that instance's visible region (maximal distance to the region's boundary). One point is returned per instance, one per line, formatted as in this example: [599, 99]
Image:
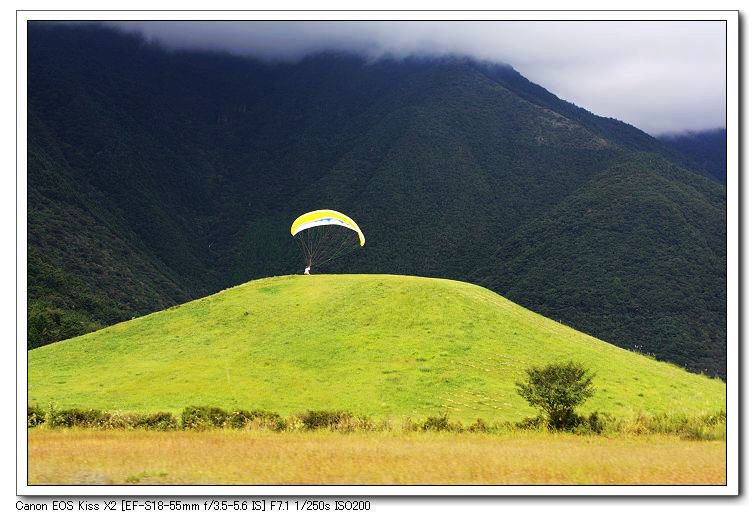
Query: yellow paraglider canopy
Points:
[325, 218]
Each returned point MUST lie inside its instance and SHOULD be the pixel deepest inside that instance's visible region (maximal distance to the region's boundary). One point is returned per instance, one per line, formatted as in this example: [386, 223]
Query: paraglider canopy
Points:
[325, 218]
[325, 235]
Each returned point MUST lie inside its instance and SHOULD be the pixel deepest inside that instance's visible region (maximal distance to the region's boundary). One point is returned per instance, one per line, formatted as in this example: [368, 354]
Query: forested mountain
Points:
[708, 148]
[155, 177]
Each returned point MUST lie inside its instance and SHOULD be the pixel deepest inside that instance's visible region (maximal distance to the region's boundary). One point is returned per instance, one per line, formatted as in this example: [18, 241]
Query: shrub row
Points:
[699, 427]
[93, 418]
[695, 427]
[202, 418]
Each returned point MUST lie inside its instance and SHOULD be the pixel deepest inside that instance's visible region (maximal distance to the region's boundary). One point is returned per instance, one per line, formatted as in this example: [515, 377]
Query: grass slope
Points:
[378, 345]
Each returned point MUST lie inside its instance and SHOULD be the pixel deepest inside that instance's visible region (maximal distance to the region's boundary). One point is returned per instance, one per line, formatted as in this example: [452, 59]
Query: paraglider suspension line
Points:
[321, 245]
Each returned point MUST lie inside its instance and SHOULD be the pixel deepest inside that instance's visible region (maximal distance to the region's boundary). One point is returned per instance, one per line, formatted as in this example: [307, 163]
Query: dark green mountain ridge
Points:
[708, 148]
[157, 177]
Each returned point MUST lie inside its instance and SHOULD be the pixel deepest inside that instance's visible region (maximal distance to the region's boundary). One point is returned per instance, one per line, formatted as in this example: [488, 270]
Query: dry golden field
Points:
[258, 457]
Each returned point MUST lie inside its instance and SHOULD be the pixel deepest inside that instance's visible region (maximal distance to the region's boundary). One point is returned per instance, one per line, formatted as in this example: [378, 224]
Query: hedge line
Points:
[699, 427]
[93, 418]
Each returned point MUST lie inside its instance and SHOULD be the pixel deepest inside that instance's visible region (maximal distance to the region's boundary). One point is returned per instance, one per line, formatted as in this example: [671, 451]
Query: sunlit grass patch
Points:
[324, 457]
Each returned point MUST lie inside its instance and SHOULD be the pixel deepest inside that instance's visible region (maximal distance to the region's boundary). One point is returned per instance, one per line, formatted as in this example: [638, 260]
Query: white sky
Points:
[665, 76]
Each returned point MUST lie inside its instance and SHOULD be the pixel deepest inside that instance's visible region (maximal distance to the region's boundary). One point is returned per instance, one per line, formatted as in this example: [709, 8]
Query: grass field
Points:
[234, 457]
[377, 345]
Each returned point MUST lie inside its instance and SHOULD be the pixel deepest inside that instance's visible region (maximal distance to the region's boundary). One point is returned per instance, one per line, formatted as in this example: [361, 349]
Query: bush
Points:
[441, 424]
[35, 416]
[69, 418]
[239, 418]
[479, 426]
[349, 423]
[293, 424]
[593, 424]
[256, 419]
[407, 425]
[316, 419]
[556, 390]
[119, 420]
[202, 418]
[538, 422]
[384, 425]
[157, 421]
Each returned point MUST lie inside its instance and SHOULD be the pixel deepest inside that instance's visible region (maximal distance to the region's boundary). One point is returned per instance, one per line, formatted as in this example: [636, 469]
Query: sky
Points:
[663, 77]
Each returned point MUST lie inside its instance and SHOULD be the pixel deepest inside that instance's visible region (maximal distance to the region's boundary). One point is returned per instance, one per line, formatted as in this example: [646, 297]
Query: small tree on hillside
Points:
[557, 389]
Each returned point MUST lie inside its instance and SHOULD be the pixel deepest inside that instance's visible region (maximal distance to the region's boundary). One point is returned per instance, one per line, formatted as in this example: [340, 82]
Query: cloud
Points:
[661, 76]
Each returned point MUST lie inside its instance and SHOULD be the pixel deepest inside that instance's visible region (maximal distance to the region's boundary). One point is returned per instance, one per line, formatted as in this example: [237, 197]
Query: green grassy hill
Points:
[378, 345]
